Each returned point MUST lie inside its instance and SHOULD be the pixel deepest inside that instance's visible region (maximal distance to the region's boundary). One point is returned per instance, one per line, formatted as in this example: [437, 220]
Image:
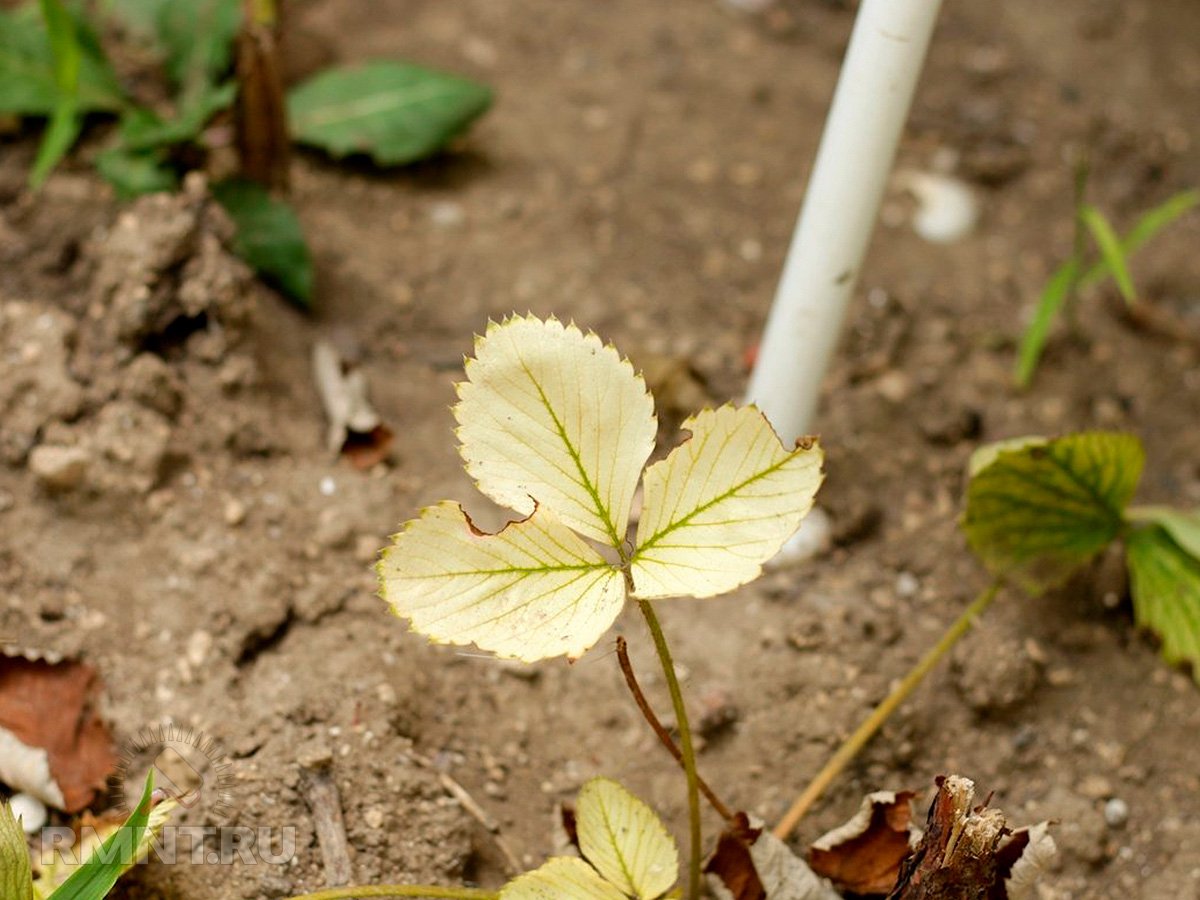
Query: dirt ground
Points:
[640, 173]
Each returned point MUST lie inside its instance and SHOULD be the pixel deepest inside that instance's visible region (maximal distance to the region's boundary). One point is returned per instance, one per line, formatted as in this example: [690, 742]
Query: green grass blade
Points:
[1054, 295]
[100, 871]
[1111, 252]
[1145, 228]
[64, 124]
[59, 137]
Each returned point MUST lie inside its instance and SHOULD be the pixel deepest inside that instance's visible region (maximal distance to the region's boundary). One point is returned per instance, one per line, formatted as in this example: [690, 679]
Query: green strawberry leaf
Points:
[269, 237]
[394, 112]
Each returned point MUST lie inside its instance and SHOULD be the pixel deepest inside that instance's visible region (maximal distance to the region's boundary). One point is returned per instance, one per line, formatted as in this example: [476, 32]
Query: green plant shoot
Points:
[1076, 273]
[1038, 510]
[102, 864]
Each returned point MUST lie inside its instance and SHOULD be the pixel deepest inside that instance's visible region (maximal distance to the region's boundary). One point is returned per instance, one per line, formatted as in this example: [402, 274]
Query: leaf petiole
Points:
[685, 740]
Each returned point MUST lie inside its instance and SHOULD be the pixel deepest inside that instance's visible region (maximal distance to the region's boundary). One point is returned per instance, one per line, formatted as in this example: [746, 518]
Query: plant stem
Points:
[685, 739]
[1079, 245]
[853, 744]
[399, 890]
[660, 730]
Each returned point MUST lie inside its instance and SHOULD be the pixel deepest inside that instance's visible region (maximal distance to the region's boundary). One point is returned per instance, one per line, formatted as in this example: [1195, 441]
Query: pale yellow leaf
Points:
[562, 878]
[721, 504]
[550, 414]
[532, 591]
[16, 878]
[623, 838]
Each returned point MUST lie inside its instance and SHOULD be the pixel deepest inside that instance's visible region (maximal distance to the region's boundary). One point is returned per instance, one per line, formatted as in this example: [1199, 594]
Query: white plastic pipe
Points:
[870, 105]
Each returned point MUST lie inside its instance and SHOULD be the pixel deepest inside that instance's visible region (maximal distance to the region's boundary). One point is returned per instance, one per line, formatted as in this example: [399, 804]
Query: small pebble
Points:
[198, 647]
[327, 487]
[1116, 812]
[59, 468]
[946, 208]
[30, 810]
[235, 512]
[447, 214]
[907, 584]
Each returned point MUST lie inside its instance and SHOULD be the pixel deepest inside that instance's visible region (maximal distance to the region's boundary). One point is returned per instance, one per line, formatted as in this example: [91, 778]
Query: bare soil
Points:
[640, 173]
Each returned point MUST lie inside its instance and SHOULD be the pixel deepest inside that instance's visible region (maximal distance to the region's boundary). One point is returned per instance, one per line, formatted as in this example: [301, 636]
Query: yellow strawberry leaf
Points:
[721, 504]
[16, 878]
[562, 878]
[532, 591]
[623, 838]
[550, 414]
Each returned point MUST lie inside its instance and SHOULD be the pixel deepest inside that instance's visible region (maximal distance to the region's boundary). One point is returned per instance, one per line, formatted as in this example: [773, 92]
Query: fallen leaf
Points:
[53, 744]
[864, 855]
[355, 429]
[750, 863]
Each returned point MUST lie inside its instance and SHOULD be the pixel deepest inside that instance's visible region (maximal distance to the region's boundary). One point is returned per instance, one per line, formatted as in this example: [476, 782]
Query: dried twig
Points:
[484, 818]
[321, 792]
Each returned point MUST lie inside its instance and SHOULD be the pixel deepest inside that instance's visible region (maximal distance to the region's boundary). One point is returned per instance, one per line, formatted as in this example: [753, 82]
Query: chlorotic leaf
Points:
[721, 504]
[1183, 527]
[623, 838]
[986, 455]
[551, 414]
[532, 591]
[94, 878]
[269, 237]
[1039, 512]
[562, 878]
[16, 876]
[394, 112]
[1165, 582]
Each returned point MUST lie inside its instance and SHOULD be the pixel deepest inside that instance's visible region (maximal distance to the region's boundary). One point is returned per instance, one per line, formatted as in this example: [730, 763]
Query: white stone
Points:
[30, 810]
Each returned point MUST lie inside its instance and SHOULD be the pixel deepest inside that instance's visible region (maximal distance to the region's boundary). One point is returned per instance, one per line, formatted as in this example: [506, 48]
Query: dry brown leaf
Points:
[864, 855]
[53, 744]
[750, 863]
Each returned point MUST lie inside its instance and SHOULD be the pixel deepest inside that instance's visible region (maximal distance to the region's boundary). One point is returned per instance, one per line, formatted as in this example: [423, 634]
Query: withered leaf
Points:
[53, 743]
[750, 863]
[864, 855]
[731, 861]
